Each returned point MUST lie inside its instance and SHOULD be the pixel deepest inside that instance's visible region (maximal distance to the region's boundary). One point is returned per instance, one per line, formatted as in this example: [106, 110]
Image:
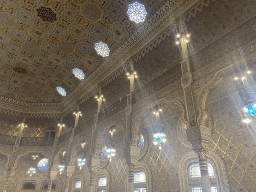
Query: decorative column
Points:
[70, 165]
[95, 164]
[132, 150]
[53, 174]
[196, 134]
[91, 184]
[204, 170]
[13, 157]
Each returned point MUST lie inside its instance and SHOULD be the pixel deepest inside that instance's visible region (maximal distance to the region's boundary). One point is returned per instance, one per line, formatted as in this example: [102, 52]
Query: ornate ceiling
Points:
[41, 41]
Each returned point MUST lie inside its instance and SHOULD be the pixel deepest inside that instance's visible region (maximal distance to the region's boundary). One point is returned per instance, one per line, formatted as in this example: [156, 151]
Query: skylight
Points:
[79, 74]
[61, 91]
[102, 49]
[137, 12]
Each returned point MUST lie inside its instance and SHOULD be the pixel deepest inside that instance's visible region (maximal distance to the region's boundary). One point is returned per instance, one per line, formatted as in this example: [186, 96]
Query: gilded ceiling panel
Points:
[42, 41]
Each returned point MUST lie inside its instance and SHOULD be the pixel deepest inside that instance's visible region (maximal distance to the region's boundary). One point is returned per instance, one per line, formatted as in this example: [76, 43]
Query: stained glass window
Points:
[79, 74]
[195, 171]
[42, 165]
[137, 12]
[141, 142]
[214, 189]
[61, 91]
[102, 49]
[139, 177]
[78, 185]
[102, 182]
[196, 189]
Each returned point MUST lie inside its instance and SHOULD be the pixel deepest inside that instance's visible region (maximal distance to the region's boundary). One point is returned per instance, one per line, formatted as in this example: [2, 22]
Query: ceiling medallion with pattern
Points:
[46, 14]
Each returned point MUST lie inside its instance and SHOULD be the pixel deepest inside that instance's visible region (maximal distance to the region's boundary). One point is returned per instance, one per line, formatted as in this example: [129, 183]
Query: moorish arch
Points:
[147, 111]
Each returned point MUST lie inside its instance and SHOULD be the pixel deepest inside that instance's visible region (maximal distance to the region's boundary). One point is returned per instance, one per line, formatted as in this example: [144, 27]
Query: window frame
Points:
[102, 173]
[219, 168]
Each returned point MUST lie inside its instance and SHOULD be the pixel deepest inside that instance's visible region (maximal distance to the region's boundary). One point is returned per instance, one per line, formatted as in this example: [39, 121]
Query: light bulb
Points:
[243, 78]
[127, 74]
[248, 72]
[188, 35]
[177, 42]
[236, 78]
[178, 35]
[246, 120]
[160, 148]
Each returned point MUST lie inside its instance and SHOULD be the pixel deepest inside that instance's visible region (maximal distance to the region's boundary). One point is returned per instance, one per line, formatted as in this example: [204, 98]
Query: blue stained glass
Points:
[137, 12]
[102, 182]
[250, 109]
[43, 164]
[141, 142]
[139, 177]
[78, 73]
[78, 185]
[102, 49]
[61, 91]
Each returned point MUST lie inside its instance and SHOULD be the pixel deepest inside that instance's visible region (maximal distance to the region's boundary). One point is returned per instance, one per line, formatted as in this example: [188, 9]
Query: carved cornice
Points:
[111, 67]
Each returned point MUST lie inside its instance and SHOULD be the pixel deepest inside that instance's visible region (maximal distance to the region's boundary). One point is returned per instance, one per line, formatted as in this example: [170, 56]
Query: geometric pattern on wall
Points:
[232, 140]
[163, 164]
[118, 167]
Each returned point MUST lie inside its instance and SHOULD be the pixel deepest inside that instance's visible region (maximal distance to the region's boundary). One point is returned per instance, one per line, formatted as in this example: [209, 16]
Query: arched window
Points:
[102, 183]
[42, 165]
[195, 178]
[140, 182]
[78, 185]
[190, 176]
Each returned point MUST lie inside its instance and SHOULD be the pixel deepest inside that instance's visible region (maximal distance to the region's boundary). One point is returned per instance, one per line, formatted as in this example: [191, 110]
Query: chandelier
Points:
[61, 168]
[81, 162]
[111, 153]
[249, 108]
[32, 169]
[159, 138]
